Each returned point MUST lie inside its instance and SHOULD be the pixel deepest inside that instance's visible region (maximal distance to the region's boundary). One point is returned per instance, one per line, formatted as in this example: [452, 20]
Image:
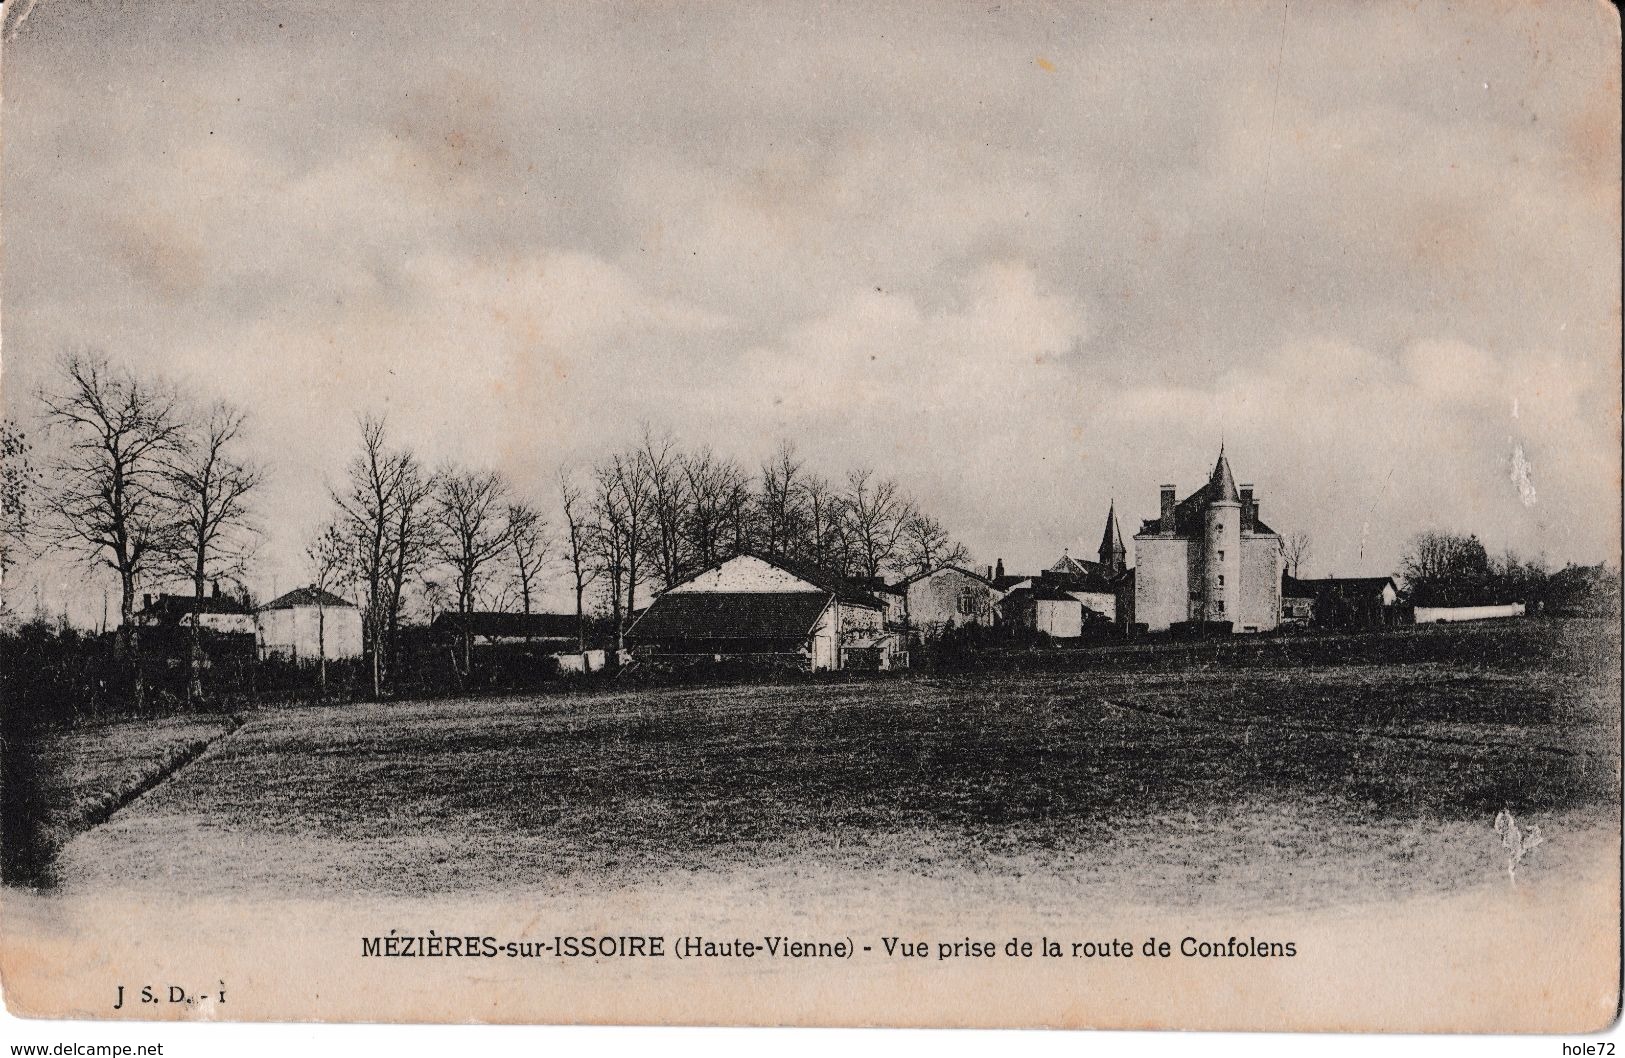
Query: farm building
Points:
[1042, 607]
[1207, 558]
[764, 608]
[946, 595]
[558, 630]
[1297, 602]
[1341, 602]
[308, 624]
[216, 611]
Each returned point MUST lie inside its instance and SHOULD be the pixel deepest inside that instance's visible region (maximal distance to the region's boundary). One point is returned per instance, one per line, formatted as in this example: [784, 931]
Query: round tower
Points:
[1221, 551]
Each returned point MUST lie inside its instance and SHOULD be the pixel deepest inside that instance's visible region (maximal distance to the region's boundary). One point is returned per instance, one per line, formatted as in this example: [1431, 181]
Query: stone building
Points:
[1207, 559]
[946, 595]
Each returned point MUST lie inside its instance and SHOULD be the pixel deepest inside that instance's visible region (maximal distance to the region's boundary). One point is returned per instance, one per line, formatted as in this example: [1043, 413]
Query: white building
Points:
[308, 624]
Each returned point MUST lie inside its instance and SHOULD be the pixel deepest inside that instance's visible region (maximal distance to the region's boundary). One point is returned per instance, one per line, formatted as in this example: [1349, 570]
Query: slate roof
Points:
[1356, 586]
[1009, 581]
[494, 624]
[730, 615]
[311, 596]
[1040, 591]
[175, 606]
[1111, 541]
[1191, 512]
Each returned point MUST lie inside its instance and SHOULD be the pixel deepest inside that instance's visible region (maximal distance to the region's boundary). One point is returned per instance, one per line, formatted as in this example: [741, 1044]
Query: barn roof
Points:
[311, 596]
[850, 590]
[731, 615]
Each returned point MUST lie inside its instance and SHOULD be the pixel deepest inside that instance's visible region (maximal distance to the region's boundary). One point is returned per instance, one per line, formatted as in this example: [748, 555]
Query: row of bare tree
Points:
[649, 517]
[458, 535]
[157, 486]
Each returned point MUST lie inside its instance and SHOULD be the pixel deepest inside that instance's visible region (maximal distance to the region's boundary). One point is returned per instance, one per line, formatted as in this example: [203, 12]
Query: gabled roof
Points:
[848, 590]
[1096, 579]
[1005, 583]
[311, 596]
[905, 582]
[730, 615]
[494, 624]
[1066, 564]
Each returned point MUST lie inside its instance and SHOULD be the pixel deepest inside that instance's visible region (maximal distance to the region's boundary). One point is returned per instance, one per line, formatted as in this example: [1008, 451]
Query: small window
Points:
[1221, 580]
[1221, 559]
[1219, 606]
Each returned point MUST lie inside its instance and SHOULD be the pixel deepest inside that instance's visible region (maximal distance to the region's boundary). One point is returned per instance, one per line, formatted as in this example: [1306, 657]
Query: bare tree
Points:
[111, 504]
[578, 542]
[925, 545]
[528, 543]
[620, 511]
[330, 561]
[1295, 549]
[662, 469]
[19, 488]
[210, 482]
[823, 542]
[876, 512]
[709, 487]
[781, 500]
[366, 514]
[413, 539]
[470, 509]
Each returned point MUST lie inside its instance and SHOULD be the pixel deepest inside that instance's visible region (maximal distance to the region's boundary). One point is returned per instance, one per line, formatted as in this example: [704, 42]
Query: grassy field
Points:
[1280, 778]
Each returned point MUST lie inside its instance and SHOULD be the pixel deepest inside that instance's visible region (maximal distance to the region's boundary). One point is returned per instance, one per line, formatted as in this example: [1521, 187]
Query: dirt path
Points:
[100, 813]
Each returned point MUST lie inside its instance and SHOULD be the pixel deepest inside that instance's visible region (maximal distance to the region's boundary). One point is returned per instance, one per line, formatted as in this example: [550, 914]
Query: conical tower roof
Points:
[1223, 483]
[1111, 542]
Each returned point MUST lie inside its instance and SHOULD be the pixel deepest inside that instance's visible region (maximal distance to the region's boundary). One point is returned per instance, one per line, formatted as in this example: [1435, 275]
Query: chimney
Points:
[1249, 512]
[998, 570]
[146, 602]
[1166, 524]
[217, 589]
[990, 573]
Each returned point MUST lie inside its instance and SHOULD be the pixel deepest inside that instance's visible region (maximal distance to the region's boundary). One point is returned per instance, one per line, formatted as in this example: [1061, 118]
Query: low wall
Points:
[1430, 614]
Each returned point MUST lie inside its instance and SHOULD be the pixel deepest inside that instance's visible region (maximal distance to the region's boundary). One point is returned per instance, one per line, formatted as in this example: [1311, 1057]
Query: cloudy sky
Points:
[1025, 257]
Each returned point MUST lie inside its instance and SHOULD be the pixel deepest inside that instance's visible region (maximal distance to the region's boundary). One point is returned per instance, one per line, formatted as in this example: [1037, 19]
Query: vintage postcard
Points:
[1070, 514]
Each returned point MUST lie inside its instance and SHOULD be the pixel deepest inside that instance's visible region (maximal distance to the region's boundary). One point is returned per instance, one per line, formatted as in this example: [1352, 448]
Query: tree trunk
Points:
[321, 644]
[194, 684]
[130, 639]
[581, 630]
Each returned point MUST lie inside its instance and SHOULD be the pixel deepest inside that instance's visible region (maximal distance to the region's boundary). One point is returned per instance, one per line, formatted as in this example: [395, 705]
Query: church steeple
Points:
[1223, 482]
[1113, 552]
